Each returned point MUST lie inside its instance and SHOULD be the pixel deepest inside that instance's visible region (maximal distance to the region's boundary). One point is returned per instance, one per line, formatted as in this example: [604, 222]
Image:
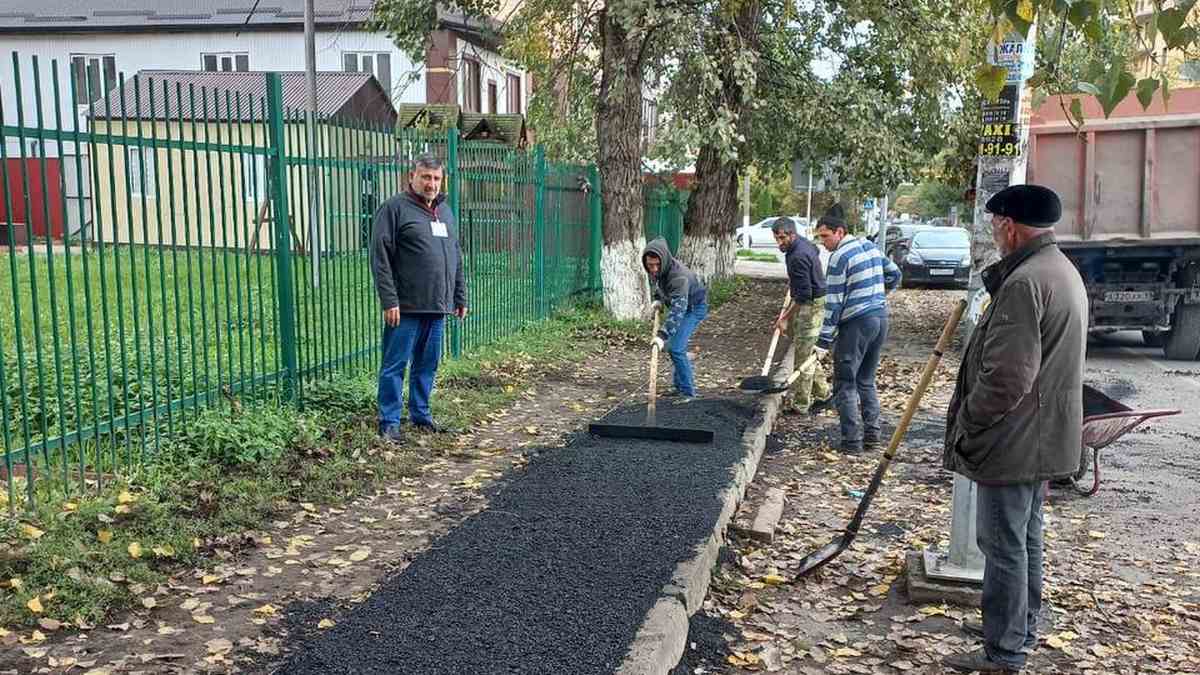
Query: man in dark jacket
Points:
[1016, 417]
[416, 261]
[803, 318]
[674, 285]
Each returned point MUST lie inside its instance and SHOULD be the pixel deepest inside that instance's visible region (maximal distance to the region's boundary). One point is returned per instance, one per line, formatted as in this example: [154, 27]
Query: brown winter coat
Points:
[1017, 410]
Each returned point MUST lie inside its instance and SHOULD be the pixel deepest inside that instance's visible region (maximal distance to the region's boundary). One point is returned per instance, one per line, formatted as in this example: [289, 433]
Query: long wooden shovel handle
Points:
[931, 365]
[787, 302]
[652, 401]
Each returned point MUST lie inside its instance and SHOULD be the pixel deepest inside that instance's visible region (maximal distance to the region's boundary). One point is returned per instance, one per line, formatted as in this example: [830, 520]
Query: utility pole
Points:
[746, 199]
[808, 206]
[314, 183]
[1003, 146]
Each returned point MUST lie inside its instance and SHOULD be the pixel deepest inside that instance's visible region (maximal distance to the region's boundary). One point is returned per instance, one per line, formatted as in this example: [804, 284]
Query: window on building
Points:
[472, 93]
[514, 94]
[94, 74]
[226, 62]
[254, 178]
[140, 168]
[378, 64]
[649, 120]
[493, 97]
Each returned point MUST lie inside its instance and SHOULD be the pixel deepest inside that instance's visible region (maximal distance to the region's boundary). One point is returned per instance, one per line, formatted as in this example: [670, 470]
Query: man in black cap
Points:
[1016, 416]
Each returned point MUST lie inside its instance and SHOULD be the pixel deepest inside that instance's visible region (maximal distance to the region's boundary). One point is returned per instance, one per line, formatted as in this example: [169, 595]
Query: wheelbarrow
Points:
[1104, 421]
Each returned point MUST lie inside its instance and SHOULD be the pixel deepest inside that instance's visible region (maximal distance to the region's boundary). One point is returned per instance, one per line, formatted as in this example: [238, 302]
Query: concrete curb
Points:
[662, 638]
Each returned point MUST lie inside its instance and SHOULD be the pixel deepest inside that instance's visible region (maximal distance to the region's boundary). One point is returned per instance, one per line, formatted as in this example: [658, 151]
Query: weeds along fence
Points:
[168, 242]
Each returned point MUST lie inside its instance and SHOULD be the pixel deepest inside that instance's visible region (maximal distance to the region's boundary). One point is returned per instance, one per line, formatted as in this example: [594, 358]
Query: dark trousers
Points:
[414, 345]
[855, 360]
[1008, 519]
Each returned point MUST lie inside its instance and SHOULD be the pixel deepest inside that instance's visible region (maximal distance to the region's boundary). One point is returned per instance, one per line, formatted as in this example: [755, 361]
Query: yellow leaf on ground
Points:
[879, 591]
[210, 579]
[266, 610]
[1101, 651]
[104, 536]
[149, 602]
[1095, 534]
[325, 623]
[360, 555]
[1055, 642]
[32, 532]
[15, 583]
[933, 610]
[126, 497]
[196, 543]
[774, 580]
[307, 506]
[122, 508]
[70, 506]
[846, 652]
[135, 550]
[164, 551]
[35, 605]
[202, 618]
[34, 638]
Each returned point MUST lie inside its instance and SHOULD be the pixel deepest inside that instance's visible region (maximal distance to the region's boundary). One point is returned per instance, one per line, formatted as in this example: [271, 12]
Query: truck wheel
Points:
[1183, 342]
[1154, 338]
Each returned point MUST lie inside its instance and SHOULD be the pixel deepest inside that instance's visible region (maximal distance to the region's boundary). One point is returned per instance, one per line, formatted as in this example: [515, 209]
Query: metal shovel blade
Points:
[817, 559]
[756, 383]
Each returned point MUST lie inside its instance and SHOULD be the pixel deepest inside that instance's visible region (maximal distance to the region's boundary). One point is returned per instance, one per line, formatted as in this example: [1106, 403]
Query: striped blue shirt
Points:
[855, 284]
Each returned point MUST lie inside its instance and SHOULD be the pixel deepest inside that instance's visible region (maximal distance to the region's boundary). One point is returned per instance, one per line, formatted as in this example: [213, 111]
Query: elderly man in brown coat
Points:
[1016, 416]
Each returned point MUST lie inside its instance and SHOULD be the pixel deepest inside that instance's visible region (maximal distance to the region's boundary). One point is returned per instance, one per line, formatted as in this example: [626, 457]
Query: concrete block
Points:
[660, 642]
[923, 590]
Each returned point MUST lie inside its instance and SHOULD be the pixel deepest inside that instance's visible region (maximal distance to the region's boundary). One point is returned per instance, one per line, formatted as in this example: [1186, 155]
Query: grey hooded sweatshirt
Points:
[676, 286]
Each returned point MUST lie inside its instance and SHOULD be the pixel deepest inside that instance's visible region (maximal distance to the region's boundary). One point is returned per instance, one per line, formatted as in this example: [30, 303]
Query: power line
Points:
[249, 16]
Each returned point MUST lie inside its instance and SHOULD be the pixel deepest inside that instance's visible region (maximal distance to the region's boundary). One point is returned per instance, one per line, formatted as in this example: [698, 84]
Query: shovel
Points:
[649, 430]
[808, 366]
[763, 381]
[817, 559]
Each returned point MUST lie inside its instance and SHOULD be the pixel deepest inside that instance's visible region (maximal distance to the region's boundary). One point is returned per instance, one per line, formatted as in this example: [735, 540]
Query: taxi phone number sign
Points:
[999, 132]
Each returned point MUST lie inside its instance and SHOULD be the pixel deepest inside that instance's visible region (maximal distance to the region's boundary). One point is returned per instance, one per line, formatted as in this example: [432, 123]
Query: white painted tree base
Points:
[708, 256]
[626, 291]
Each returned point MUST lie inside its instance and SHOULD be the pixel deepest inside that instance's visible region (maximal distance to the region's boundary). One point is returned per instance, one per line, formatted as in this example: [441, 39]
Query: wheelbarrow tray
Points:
[1104, 421]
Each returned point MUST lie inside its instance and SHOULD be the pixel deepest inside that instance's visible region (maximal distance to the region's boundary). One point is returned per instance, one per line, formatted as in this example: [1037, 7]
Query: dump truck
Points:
[1130, 190]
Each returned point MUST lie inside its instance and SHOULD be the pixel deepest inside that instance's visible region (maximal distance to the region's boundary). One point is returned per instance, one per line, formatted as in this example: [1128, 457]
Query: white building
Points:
[90, 43]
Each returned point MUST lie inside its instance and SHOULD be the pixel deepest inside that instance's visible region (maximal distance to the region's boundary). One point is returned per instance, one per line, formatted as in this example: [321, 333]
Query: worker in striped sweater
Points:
[855, 326]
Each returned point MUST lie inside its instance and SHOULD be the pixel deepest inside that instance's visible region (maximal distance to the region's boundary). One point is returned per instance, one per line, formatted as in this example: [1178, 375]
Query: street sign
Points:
[868, 204]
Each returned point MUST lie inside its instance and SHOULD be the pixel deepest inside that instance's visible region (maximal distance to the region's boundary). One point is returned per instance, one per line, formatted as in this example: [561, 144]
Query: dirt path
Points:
[1121, 567]
[228, 617]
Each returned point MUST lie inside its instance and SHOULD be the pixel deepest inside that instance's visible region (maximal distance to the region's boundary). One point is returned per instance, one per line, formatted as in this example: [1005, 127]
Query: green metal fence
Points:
[159, 255]
[663, 214]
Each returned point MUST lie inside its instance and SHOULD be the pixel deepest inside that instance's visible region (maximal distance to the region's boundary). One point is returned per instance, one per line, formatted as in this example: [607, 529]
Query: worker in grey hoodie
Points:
[417, 264]
[672, 284]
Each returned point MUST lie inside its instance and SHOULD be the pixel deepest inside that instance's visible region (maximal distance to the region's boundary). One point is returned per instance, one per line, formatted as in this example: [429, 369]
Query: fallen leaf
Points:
[1095, 534]
[104, 536]
[34, 638]
[846, 652]
[122, 508]
[35, 605]
[325, 623]
[15, 583]
[1101, 651]
[135, 550]
[219, 646]
[149, 602]
[308, 506]
[34, 653]
[202, 618]
[50, 624]
[126, 497]
[266, 610]
[70, 506]
[531, 430]
[209, 579]
[164, 551]
[933, 610]
[360, 555]
[1055, 642]
[189, 604]
[32, 532]
[774, 580]
[902, 665]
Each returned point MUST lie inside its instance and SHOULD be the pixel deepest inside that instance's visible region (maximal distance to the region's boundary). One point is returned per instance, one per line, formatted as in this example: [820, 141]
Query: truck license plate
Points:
[941, 273]
[1129, 296]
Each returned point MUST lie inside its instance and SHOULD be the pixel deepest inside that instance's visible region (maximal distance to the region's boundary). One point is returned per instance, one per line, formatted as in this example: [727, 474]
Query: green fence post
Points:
[596, 219]
[283, 228]
[454, 178]
[539, 229]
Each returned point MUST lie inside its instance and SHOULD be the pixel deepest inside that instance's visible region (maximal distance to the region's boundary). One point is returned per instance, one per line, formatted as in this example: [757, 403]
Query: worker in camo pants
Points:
[804, 316]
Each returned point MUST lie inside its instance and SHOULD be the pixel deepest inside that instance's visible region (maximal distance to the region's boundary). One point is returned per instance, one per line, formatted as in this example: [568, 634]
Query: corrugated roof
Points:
[334, 91]
[206, 14]
[432, 115]
[505, 128]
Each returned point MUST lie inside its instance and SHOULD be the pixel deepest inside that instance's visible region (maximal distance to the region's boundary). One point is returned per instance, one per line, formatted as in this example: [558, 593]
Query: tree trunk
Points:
[708, 246]
[618, 131]
[710, 222]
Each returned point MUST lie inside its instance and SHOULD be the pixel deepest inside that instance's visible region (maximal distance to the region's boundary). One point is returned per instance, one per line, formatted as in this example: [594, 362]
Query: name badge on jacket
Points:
[439, 228]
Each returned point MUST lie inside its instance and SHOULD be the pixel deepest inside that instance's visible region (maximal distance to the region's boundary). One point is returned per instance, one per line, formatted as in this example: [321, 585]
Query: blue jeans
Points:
[685, 382]
[1008, 520]
[416, 341]
[855, 360]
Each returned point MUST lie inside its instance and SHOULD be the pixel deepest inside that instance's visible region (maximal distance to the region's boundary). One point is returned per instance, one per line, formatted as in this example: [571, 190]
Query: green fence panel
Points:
[160, 256]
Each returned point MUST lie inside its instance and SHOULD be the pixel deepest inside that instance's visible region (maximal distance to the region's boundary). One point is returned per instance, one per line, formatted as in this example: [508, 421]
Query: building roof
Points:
[73, 15]
[429, 115]
[336, 92]
[509, 129]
